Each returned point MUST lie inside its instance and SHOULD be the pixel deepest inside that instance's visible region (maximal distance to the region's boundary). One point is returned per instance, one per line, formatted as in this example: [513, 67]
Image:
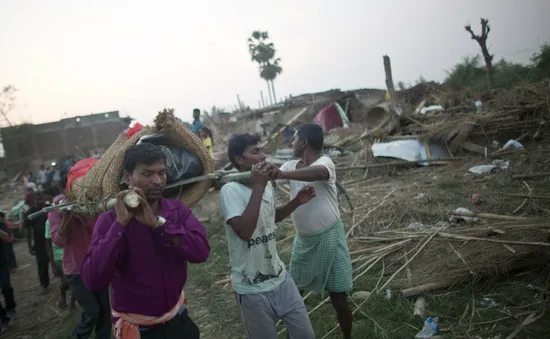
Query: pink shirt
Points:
[76, 241]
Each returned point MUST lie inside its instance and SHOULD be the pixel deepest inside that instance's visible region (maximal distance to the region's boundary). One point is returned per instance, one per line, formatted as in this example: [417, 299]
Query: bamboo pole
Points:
[108, 203]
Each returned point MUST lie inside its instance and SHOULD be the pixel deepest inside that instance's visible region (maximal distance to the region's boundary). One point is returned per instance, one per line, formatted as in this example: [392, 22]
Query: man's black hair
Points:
[144, 153]
[313, 134]
[196, 110]
[238, 145]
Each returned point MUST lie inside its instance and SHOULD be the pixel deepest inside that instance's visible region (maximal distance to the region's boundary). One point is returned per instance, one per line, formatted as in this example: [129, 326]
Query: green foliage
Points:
[470, 72]
[541, 61]
[270, 70]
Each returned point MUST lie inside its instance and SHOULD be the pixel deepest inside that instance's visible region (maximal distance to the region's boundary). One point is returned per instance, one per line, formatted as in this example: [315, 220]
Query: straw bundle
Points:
[449, 256]
[103, 179]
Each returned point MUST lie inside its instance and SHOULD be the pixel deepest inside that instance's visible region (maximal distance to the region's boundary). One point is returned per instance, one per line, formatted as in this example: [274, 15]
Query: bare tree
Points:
[482, 41]
[7, 99]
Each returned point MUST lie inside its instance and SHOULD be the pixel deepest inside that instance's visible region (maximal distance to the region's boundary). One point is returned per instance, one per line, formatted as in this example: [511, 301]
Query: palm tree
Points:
[269, 72]
[263, 52]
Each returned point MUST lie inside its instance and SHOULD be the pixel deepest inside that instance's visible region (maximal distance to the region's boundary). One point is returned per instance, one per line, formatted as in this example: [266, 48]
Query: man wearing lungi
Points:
[320, 257]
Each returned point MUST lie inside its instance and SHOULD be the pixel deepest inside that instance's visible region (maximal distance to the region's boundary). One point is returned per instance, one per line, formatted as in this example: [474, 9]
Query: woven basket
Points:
[103, 180]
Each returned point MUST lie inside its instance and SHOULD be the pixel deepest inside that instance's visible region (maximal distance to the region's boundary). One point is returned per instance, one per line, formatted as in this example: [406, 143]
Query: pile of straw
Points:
[437, 257]
[524, 109]
[103, 180]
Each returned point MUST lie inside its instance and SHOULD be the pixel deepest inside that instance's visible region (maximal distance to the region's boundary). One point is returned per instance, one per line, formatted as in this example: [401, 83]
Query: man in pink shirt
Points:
[75, 238]
[143, 253]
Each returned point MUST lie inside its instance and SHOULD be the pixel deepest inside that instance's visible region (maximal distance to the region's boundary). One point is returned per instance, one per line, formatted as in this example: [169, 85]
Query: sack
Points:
[103, 179]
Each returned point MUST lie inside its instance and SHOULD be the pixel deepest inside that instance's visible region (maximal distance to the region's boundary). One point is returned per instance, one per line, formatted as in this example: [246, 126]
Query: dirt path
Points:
[38, 315]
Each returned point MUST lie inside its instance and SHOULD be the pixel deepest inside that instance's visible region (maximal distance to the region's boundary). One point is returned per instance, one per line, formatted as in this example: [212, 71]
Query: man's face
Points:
[253, 155]
[298, 146]
[150, 178]
[196, 115]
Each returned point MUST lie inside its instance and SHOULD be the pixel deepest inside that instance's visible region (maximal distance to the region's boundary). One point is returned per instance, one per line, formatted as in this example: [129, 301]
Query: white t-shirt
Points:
[42, 177]
[255, 264]
[322, 211]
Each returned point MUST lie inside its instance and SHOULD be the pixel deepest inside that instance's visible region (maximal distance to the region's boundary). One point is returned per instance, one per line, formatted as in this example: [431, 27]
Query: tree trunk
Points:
[273, 91]
[488, 64]
[269, 92]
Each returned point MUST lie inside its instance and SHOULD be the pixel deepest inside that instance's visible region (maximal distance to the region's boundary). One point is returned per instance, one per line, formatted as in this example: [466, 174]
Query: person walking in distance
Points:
[10, 253]
[320, 257]
[263, 289]
[9, 313]
[36, 240]
[196, 125]
[143, 253]
[74, 235]
[56, 262]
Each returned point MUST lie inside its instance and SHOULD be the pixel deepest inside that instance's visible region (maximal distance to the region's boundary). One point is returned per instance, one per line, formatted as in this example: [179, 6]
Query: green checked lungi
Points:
[321, 261]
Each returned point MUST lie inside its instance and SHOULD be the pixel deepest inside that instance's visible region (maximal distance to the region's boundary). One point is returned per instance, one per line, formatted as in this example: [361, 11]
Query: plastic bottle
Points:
[430, 328]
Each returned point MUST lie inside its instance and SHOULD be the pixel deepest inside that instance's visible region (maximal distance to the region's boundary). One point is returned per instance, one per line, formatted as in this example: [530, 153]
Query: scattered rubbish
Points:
[415, 225]
[332, 116]
[419, 307]
[410, 150]
[388, 293]
[478, 106]
[430, 328]
[496, 165]
[456, 218]
[476, 198]
[427, 109]
[420, 196]
[511, 144]
[487, 302]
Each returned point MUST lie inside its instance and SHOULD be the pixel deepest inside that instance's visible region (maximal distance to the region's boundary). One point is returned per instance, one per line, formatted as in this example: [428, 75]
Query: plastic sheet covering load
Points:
[186, 152]
[79, 170]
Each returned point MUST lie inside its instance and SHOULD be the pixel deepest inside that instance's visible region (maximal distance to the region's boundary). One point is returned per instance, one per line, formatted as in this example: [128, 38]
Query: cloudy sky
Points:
[76, 57]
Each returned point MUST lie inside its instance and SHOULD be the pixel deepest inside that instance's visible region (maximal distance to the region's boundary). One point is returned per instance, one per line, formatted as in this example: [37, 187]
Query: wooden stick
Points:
[541, 197]
[531, 318]
[109, 203]
[531, 175]
[413, 291]
[400, 162]
[464, 237]
[490, 216]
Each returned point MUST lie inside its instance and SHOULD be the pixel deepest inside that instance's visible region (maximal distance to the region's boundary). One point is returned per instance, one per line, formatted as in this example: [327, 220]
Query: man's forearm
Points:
[285, 210]
[312, 173]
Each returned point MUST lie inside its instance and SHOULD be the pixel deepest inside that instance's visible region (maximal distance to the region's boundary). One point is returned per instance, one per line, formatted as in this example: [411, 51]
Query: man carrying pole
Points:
[263, 289]
[320, 257]
[143, 252]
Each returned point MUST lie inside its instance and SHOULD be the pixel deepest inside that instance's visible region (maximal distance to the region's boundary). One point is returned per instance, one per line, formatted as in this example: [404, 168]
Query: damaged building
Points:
[28, 146]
